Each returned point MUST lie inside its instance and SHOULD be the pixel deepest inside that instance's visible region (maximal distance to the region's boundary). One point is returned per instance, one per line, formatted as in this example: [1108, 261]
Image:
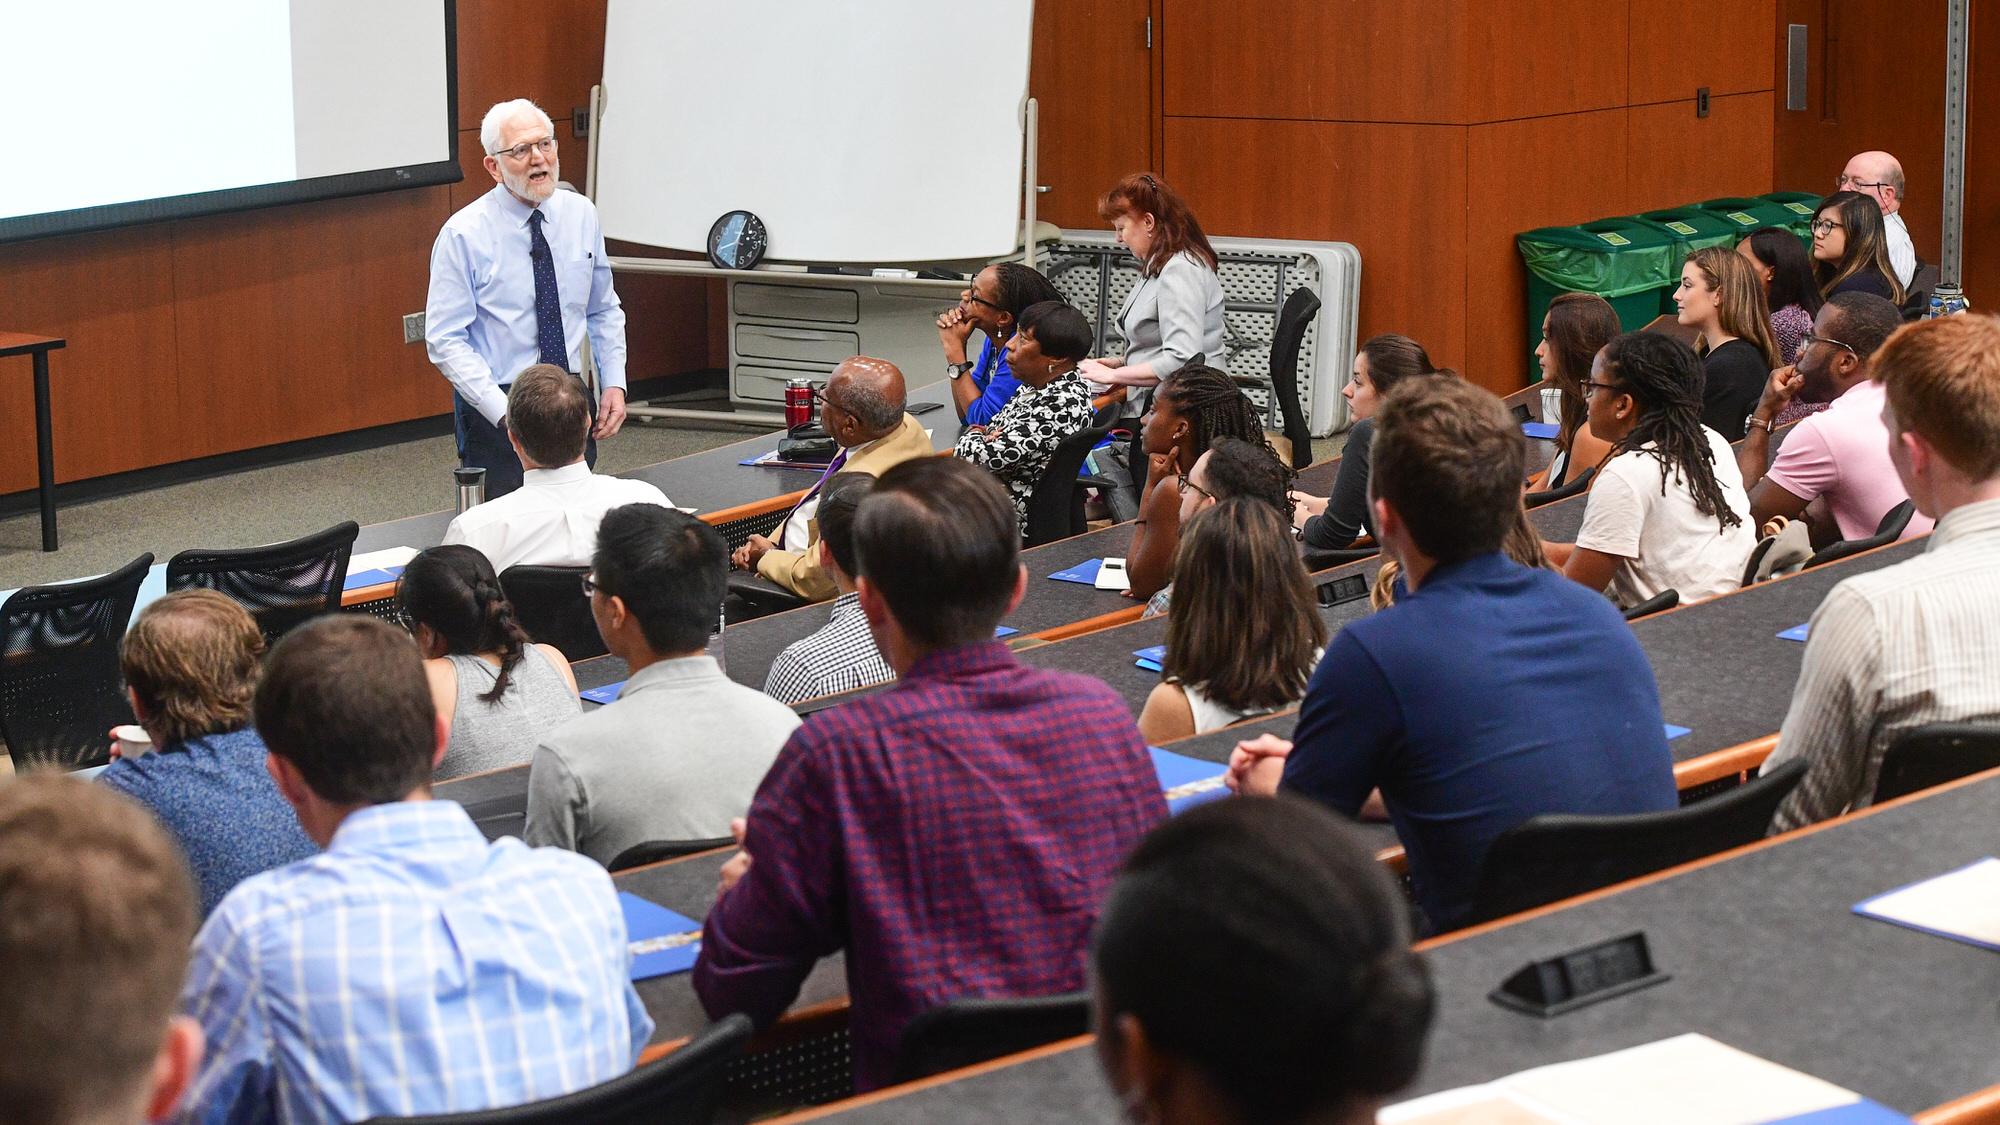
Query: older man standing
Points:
[518, 276]
[1879, 176]
[863, 412]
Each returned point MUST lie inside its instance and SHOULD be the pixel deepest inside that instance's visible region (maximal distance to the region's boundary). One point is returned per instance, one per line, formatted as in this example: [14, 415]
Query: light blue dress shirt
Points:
[479, 321]
[412, 968]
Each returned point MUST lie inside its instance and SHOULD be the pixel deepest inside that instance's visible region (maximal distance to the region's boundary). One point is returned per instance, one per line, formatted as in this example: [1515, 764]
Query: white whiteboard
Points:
[859, 131]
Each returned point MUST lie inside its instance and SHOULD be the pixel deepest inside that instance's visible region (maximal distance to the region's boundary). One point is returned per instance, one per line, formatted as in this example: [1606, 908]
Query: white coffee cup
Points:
[133, 741]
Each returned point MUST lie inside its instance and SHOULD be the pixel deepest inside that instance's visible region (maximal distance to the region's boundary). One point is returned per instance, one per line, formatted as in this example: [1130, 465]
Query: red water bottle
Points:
[798, 403]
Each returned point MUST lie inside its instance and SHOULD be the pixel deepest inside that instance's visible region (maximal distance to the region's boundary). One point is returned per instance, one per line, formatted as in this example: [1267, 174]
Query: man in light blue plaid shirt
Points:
[412, 968]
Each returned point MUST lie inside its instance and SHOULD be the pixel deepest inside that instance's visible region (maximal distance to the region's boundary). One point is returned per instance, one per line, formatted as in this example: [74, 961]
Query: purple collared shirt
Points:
[954, 835]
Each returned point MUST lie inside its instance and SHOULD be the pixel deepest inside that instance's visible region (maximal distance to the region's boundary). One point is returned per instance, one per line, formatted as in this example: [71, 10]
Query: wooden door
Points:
[1092, 77]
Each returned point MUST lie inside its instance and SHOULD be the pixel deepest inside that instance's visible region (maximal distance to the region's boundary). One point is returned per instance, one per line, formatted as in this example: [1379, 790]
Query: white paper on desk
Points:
[1111, 575]
[379, 560]
[1963, 905]
[1687, 1080]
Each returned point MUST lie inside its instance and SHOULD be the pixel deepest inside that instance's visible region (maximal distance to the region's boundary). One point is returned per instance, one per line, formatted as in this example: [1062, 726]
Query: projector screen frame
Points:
[140, 212]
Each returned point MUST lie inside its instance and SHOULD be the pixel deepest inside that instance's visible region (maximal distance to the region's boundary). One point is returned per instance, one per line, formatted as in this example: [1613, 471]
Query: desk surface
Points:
[1764, 953]
[24, 343]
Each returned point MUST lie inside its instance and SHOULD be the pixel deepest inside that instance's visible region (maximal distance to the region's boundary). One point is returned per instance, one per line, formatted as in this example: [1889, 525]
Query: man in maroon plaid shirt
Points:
[954, 834]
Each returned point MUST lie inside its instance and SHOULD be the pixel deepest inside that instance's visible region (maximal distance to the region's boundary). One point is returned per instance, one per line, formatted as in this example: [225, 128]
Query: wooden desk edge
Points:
[1090, 624]
[1981, 1108]
[26, 343]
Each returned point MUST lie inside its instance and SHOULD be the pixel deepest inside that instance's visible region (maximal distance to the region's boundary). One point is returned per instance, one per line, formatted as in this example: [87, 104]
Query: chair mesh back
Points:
[552, 609]
[1300, 309]
[1055, 509]
[281, 585]
[1550, 858]
[60, 688]
[1886, 532]
[1934, 754]
[965, 1032]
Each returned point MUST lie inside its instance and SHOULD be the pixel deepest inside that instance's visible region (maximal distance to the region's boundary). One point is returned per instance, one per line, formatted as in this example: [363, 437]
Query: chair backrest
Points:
[1569, 488]
[1934, 754]
[281, 585]
[60, 688]
[653, 851]
[551, 608]
[965, 1032]
[682, 1088]
[1293, 320]
[1055, 508]
[1665, 599]
[1894, 521]
[1917, 294]
[1549, 858]
[1317, 560]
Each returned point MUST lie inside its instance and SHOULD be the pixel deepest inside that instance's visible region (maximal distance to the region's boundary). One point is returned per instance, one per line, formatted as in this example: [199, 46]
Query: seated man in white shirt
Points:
[552, 519]
[1879, 176]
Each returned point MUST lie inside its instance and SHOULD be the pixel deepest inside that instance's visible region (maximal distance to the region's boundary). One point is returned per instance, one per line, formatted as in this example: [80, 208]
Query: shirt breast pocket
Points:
[573, 282]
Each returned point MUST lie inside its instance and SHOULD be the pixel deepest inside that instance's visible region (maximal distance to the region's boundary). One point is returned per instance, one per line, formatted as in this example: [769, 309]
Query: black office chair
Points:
[683, 1088]
[965, 1032]
[1887, 532]
[653, 851]
[1665, 599]
[1055, 508]
[1934, 754]
[1550, 858]
[1567, 489]
[1293, 320]
[760, 596]
[1317, 560]
[1917, 295]
[282, 585]
[60, 688]
[551, 607]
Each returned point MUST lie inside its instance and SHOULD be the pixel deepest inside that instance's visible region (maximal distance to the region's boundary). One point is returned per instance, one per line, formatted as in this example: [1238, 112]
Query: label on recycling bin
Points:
[1800, 208]
[1679, 227]
[1615, 238]
[1744, 217]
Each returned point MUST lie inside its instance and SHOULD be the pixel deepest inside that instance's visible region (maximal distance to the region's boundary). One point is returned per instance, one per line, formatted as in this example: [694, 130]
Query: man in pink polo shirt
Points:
[1841, 454]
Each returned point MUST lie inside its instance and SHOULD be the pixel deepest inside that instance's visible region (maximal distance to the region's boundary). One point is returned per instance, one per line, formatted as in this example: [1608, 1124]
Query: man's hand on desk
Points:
[610, 412]
[739, 863]
[747, 555]
[1256, 766]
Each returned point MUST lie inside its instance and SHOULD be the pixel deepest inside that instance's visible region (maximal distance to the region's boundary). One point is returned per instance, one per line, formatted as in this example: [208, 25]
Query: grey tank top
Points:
[490, 736]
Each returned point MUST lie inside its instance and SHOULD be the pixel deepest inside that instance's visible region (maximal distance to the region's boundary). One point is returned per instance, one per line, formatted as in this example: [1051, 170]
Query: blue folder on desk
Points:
[1186, 781]
[1674, 732]
[363, 579]
[1151, 659]
[1796, 633]
[1084, 572]
[1002, 632]
[606, 694]
[662, 941]
[1546, 431]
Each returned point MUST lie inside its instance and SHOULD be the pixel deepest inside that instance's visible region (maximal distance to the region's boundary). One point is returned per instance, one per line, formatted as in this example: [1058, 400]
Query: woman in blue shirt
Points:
[993, 304]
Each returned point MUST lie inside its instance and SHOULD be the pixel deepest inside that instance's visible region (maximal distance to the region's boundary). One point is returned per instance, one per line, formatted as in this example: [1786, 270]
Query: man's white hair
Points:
[499, 115]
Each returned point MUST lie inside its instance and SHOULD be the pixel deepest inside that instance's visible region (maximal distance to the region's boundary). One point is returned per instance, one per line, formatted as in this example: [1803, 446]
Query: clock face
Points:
[736, 241]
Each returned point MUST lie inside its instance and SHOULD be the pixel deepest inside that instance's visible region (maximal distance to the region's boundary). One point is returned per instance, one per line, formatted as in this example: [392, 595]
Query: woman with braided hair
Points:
[499, 691]
[1192, 408]
[1668, 509]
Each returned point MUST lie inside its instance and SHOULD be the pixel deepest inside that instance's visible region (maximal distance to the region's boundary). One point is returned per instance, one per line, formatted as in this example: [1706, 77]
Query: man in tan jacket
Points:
[863, 412]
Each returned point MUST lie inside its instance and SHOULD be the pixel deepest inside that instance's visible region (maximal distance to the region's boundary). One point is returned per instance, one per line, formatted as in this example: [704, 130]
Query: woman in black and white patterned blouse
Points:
[1054, 402]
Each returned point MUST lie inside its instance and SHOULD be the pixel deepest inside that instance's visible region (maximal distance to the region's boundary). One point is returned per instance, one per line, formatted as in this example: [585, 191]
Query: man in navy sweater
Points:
[1489, 692]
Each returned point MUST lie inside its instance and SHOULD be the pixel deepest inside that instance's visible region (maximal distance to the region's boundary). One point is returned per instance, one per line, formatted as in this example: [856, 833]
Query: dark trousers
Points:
[483, 445]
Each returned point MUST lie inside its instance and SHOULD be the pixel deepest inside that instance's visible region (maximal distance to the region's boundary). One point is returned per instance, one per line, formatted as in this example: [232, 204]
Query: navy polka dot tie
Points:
[548, 302]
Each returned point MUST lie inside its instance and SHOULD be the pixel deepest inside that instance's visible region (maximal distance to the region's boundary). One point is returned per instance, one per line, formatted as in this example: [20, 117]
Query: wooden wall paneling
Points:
[667, 329]
[1981, 250]
[289, 320]
[1092, 77]
[1541, 57]
[549, 51]
[1395, 191]
[113, 389]
[1887, 68]
[1676, 158]
[1329, 60]
[1680, 45]
[1545, 171]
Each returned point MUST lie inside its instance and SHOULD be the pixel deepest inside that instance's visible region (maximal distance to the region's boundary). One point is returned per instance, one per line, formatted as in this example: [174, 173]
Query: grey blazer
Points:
[1174, 316]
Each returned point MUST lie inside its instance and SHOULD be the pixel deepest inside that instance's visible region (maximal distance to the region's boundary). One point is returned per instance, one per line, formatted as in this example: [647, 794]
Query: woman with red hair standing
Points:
[1173, 317]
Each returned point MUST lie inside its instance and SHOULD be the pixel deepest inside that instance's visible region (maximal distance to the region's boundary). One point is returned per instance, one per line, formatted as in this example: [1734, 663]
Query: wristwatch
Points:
[1767, 427]
[956, 369]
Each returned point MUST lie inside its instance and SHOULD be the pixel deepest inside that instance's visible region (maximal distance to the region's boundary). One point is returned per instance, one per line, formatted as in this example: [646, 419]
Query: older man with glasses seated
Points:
[1879, 176]
[519, 276]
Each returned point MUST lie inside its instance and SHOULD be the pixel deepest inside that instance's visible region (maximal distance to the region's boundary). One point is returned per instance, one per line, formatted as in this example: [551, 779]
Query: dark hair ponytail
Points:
[1667, 379]
[453, 591]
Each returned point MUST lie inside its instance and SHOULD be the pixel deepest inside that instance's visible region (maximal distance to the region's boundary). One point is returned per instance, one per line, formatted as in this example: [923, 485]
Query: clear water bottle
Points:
[1946, 300]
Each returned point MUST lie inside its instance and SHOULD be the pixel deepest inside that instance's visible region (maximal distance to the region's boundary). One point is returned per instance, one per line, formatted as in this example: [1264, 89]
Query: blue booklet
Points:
[1796, 633]
[1151, 659]
[606, 694]
[662, 941]
[1186, 781]
[1546, 431]
[361, 580]
[1674, 732]
[1084, 572]
[1001, 632]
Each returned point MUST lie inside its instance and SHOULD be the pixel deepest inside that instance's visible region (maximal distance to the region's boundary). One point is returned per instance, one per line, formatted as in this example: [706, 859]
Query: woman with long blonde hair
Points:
[1722, 299]
[1851, 248]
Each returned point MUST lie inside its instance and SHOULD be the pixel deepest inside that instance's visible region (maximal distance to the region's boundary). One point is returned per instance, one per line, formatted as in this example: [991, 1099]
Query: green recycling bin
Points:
[1697, 230]
[1750, 214]
[1632, 263]
[1801, 204]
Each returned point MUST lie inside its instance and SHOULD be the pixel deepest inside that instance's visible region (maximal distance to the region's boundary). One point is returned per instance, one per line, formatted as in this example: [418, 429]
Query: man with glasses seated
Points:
[1841, 454]
[1879, 176]
[518, 277]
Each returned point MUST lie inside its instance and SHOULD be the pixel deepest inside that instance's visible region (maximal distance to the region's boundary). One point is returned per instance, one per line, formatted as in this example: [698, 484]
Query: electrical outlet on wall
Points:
[413, 328]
